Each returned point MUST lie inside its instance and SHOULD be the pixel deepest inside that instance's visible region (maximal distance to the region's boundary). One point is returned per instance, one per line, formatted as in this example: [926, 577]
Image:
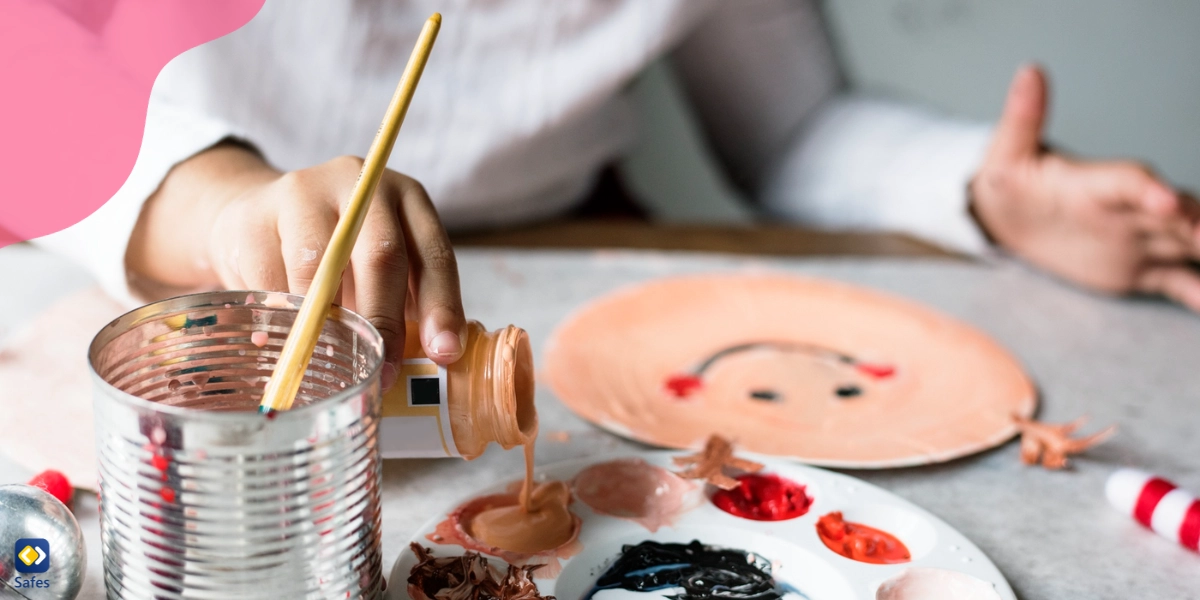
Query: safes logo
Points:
[32, 555]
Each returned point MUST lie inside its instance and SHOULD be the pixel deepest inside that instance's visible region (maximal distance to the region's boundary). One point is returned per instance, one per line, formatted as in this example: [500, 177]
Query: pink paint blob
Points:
[277, 301]
[260, 338]
[631, 488]
[925, 583]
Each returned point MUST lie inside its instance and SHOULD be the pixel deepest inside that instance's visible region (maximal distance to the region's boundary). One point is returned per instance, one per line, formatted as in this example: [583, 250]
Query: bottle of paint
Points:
[485, 396]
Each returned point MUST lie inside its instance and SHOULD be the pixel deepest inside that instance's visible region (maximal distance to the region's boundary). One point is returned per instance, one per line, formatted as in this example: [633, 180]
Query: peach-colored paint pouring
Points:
[820, 371]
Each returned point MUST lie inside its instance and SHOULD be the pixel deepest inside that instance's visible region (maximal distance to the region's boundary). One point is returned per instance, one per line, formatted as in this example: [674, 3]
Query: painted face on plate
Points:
[821, 371]
[785, 379]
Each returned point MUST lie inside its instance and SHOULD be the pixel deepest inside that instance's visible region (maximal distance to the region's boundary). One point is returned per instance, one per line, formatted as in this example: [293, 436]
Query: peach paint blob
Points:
[820, 371]
[545, 525]
[501, 526]
[764, 498]
[859, 542]
[631, 488]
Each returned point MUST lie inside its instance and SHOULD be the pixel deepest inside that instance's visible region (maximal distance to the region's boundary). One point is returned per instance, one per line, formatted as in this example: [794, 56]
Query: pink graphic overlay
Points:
[76, 82]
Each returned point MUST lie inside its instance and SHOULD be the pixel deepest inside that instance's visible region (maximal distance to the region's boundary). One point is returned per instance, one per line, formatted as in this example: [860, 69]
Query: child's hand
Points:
[226, 218]
[1112, 227]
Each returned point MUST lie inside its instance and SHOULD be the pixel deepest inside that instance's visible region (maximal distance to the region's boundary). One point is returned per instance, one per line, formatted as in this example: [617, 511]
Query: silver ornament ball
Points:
[31, 512]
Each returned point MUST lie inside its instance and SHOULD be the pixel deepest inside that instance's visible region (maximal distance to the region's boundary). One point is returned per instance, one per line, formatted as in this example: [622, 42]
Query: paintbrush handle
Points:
[302, 340]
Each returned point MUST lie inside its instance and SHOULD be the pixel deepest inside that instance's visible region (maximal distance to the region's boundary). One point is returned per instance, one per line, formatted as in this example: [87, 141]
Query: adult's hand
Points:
[1114, 227]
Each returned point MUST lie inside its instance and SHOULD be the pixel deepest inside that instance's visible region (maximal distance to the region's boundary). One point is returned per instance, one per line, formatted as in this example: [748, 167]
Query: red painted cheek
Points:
[878, 371]
[681, 386]
[764, 498]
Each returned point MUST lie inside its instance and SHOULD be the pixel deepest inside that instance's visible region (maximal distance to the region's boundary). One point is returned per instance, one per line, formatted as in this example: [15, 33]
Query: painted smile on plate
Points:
[848, 371]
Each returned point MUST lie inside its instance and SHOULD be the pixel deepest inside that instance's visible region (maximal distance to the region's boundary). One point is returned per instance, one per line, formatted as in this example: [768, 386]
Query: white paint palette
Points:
[799, 560]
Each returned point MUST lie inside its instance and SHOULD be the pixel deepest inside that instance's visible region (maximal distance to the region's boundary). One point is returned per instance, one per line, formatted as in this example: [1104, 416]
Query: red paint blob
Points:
[859, 542]
[160, 462]
[764, 498]
[682, 385]
[167, 494]
[876, 371]
[55, 483]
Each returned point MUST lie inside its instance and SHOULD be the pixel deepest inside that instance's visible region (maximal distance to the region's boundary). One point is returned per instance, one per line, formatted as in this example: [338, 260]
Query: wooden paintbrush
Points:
[302, 340]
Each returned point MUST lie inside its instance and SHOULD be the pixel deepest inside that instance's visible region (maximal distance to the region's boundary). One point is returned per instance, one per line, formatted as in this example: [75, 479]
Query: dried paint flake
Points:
[710, 464]
[468, 577]
[1052, 445]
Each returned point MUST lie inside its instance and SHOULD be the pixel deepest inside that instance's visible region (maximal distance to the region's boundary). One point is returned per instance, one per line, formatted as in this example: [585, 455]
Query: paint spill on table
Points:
[631, 488]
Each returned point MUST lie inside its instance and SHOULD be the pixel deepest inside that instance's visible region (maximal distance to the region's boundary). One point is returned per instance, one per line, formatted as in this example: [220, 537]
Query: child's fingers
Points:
[305, 229]
[379, 264]
[434, 275]
[261, 266]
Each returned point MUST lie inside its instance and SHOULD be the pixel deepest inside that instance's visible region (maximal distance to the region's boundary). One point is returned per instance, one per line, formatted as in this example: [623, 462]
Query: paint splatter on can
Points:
[239, 504]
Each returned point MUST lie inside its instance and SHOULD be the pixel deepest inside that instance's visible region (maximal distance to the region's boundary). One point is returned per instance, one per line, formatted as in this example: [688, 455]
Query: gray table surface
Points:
[1052, 533]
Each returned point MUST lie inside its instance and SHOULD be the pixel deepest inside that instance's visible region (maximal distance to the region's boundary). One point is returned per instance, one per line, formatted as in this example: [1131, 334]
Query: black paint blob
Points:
[766, 395]
[704, 573]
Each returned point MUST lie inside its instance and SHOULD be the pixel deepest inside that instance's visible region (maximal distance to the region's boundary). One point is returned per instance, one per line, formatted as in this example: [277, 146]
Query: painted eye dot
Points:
[848, 391]
[764, 395]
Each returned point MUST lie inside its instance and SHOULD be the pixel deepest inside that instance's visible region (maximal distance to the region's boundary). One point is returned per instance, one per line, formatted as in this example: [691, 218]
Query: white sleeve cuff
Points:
[868, 164]
[99, 242]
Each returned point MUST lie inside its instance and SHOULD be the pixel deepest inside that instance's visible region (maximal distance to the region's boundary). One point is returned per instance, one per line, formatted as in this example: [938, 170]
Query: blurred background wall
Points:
[1125, 82]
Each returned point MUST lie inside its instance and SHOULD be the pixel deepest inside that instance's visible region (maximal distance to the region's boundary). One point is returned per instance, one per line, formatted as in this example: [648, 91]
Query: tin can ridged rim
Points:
[351, 318]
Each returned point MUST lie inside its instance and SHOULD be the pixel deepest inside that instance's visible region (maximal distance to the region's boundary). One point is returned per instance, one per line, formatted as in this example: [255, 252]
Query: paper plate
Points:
[817, 371]
[800, 563]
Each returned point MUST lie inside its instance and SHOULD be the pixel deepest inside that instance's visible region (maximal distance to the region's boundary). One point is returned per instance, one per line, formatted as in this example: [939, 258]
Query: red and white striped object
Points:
[1158, 504]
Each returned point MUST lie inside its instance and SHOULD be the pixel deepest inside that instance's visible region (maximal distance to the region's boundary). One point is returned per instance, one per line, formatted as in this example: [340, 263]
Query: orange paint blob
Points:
[859, 542]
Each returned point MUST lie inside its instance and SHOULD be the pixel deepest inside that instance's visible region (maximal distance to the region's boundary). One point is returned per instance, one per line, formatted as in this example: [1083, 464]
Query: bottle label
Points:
[416, 413]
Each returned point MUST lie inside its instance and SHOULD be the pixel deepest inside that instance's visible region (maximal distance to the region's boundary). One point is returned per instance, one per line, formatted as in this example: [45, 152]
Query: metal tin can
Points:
[202, 497]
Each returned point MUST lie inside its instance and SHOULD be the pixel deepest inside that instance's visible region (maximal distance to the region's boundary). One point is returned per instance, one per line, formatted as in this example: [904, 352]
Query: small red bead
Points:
[55, 483]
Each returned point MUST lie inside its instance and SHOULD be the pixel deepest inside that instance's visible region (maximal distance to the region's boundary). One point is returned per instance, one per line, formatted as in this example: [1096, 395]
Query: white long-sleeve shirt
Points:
[523, 101]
